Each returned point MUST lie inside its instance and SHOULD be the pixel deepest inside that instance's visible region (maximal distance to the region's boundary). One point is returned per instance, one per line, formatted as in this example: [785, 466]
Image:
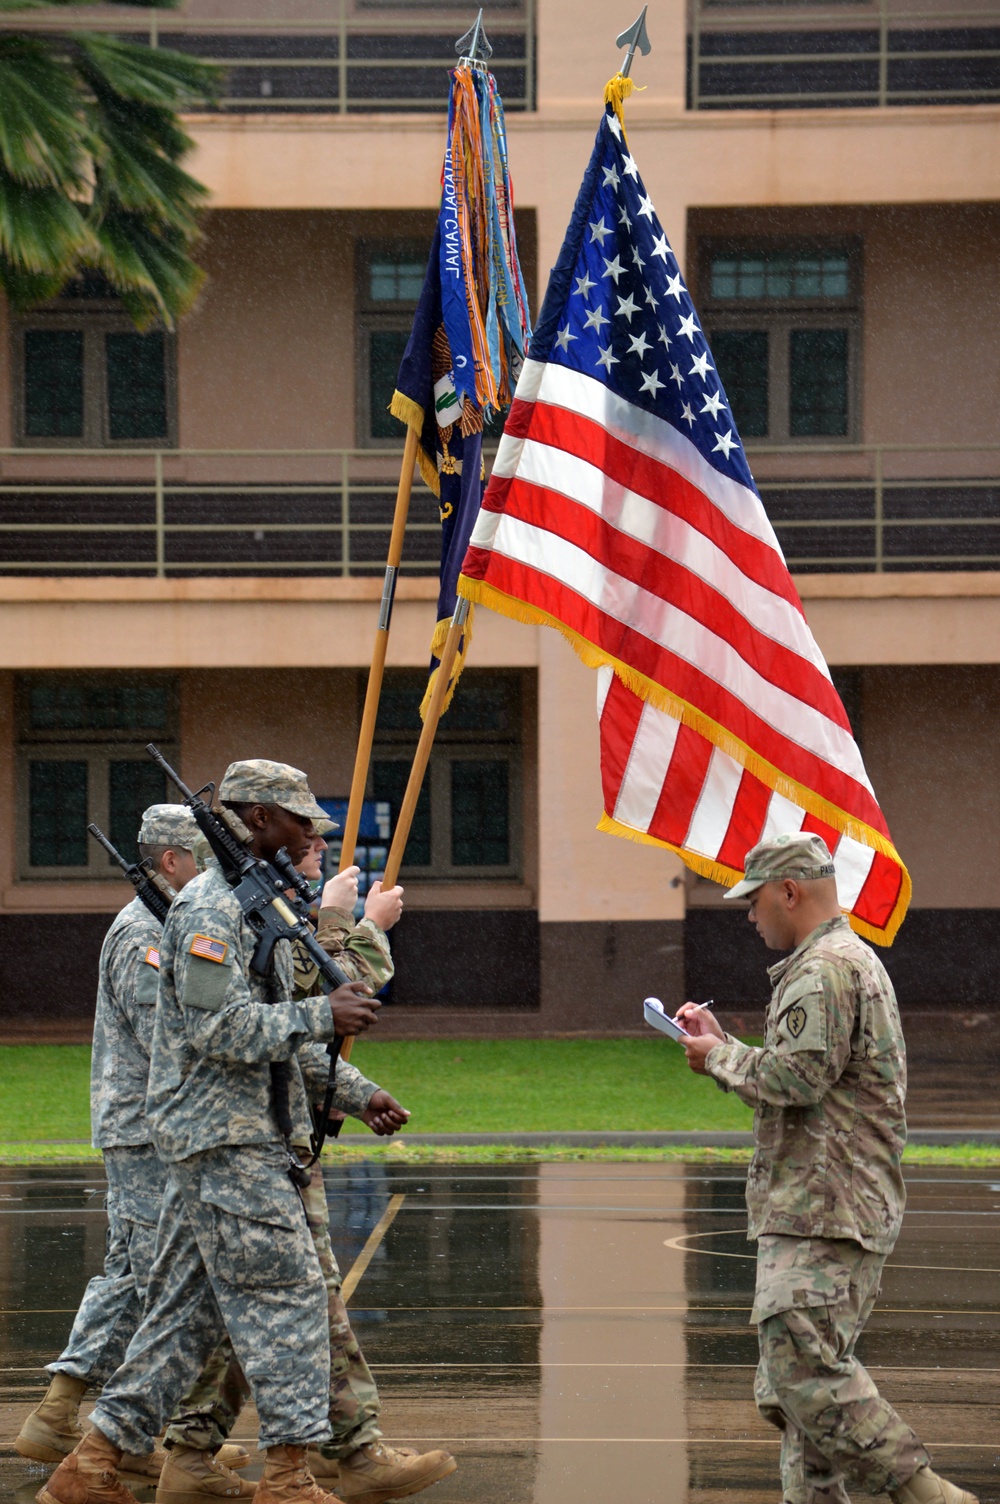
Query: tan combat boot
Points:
[52, 1430]
[325, 1470]
[287, 1480]
[231, 1454]
[87, 1476]
[191, 1477]
[376, 1473]
[143, 1469]
[926, 1487]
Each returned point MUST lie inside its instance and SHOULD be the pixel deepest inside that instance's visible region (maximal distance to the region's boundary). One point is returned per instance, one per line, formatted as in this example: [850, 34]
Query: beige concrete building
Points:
[192, 527]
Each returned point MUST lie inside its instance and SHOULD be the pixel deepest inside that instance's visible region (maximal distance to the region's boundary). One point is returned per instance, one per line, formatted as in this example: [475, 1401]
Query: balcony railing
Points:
[775, 55]
[325, 56]
[176, 512]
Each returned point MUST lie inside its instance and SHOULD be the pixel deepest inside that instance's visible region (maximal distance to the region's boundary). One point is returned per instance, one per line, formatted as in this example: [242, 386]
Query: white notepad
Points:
[657, 1017]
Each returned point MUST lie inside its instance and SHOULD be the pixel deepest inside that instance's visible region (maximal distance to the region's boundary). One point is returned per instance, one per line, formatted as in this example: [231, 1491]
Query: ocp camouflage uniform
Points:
[362, 952]
[825, 1198]
[234, 1252]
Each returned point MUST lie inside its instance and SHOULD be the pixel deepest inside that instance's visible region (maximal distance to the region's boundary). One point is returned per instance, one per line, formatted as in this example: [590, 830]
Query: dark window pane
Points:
[483, 702]
[814, 275]
[137, 385]
[396, 280]
[480, 814]
[99, 707]
[386, 348]
[741, 358]
[132, 787]
[818, 382]
[57, 814]
[53, 383]
[389, 783]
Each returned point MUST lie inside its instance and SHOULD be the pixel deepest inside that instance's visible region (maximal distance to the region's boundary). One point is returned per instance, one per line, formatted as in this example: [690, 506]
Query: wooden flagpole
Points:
[373, 693]
[366, 737]
[422, 755]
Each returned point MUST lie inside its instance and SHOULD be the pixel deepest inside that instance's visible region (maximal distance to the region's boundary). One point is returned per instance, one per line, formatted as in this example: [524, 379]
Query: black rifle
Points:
[259, 889]
[155, 892]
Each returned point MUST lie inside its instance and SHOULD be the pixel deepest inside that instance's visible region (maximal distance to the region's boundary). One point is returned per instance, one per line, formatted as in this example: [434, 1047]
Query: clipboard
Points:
[657, 1017]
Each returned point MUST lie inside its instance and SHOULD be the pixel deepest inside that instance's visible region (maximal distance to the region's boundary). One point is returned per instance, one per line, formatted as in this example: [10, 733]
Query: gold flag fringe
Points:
[437, 648]
[689, 715]
[412, 414]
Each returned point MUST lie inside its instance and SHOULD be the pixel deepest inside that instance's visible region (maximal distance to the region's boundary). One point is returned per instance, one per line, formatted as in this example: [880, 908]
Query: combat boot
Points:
[926, 1487]
[52, 1430]
[87, 1476]
[191, 1477]
[326, 1470]
[287, 1480]
[376, 1473]
[144, 1469]
[231, 1454]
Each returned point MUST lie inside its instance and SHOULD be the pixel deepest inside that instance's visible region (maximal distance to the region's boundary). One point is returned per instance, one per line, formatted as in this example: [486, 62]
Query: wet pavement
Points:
[575, 1333]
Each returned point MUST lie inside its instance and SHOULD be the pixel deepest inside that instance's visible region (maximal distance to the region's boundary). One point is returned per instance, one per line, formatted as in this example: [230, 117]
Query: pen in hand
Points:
[699, 1008]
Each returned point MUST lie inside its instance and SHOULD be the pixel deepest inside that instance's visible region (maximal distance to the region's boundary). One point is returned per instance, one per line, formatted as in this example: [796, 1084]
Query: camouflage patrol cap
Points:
[260, 781]
[799, 856]
[169, 825]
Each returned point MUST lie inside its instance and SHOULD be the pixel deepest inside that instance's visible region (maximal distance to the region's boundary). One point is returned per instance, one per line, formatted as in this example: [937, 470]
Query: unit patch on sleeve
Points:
[209, 949]
[152, 957]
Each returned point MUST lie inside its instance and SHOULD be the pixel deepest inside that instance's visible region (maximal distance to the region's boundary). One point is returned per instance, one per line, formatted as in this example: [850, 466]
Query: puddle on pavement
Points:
[573, 1332]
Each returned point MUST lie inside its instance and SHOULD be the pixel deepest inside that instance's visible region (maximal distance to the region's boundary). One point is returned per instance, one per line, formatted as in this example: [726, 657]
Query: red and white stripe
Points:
[606, 520]
[665, 781]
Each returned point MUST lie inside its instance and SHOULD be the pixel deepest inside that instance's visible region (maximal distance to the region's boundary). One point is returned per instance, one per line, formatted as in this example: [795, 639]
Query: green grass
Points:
[464, 1086]
[450, 1086]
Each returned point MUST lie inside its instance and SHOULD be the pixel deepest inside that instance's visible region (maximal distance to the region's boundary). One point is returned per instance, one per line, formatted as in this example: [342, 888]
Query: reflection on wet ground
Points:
[575, 1333]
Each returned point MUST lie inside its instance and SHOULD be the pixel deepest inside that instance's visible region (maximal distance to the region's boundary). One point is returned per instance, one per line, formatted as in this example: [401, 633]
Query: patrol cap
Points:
[257, 780]
[169, 825]
[795, 855]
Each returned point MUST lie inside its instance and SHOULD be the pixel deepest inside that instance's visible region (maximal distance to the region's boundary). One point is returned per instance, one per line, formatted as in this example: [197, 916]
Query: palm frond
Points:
[148, 75]
[152, 273]
[41, 125]
[25, 290]
[42, 232]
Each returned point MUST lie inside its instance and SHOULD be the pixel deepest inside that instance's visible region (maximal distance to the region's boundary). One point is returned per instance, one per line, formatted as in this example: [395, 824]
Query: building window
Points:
[468, 816]
[85, 377]
[390, 276]
[784, 322]
[82, 759]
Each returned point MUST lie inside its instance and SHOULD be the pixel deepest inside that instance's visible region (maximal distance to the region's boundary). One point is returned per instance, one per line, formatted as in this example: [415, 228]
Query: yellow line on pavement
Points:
[367, 1253]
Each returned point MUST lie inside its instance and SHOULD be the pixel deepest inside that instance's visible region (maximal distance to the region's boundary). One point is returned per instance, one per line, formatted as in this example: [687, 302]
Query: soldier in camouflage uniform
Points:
[113, 1301]
[356, 1463]
[825, 1189]
[233, 1249]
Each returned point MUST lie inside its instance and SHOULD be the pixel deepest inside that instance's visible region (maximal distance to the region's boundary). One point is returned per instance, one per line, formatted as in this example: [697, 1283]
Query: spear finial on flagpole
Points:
[636, 36]
[474, 50]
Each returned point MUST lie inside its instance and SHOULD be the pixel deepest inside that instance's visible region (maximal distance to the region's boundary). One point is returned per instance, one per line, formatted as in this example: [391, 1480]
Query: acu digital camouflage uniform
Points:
[362, 951]
[113, 1301]
[825, 1198]
[234, 1252]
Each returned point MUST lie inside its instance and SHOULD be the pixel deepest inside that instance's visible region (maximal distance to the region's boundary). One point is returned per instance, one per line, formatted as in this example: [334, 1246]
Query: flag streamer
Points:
[470, 332]
[622, 511]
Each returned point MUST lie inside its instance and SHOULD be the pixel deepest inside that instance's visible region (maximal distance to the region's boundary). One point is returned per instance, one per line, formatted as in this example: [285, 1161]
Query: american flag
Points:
[622, 511]
[208, 948]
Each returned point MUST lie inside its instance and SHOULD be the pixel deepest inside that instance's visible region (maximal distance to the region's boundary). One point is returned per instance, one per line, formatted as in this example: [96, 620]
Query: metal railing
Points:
[177, 512]
[348, 57]
[882, 507]
[860, 53]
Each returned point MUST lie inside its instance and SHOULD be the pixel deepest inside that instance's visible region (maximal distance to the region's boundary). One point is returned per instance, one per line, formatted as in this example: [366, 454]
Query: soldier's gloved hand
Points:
[354, 1008]
[384, 1114]
[385, 908]
[341, 892]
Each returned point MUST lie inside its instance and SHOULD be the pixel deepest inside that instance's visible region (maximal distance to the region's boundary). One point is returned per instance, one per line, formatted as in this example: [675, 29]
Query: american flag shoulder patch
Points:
[208, 949]
[152, 957]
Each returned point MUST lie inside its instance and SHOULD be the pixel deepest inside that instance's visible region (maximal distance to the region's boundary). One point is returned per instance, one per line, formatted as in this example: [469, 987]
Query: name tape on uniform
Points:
[208, 949]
